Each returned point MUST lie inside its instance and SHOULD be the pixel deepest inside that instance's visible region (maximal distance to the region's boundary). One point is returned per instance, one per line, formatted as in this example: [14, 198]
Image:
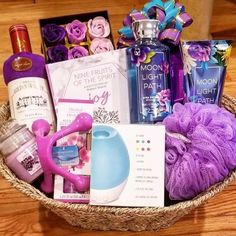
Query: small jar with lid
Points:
[18, 146]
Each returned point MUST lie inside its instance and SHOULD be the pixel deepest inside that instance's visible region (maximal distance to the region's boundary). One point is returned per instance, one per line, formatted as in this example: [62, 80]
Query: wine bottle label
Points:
[29, 159]
[29, 100]
[21, 64]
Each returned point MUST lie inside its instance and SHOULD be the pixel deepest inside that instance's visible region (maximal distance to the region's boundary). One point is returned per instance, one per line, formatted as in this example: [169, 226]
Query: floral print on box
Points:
[205, 65]
[205, 53]
[80, 142]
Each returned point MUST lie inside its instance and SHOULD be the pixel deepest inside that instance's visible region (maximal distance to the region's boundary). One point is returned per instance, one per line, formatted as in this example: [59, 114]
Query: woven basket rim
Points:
[227, 101]
[36, 194]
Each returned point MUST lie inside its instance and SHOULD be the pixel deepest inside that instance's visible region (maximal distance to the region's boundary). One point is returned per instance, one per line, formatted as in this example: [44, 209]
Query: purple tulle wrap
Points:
[200, 148]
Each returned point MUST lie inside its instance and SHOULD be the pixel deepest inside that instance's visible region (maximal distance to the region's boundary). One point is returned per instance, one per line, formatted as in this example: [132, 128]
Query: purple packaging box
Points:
[63, 21]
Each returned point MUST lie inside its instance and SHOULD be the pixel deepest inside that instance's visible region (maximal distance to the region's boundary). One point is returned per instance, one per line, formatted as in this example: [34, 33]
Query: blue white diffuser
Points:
[110, 165]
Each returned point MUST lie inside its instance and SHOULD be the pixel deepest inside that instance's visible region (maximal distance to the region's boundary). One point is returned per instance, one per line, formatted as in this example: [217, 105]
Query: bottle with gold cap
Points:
[25, 75]
[149, 74]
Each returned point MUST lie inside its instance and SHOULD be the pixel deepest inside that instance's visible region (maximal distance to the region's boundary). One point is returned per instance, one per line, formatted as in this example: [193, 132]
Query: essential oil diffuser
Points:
[110, 165]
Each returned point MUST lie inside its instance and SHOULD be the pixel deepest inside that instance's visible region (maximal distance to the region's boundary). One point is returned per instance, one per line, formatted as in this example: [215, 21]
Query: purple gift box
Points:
[74, 36]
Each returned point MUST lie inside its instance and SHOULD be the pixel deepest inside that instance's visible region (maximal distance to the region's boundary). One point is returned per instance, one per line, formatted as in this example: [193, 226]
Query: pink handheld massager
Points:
[45, 143]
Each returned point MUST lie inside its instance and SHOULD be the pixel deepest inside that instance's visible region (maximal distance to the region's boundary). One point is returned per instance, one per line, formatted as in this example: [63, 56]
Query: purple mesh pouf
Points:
[204, 152]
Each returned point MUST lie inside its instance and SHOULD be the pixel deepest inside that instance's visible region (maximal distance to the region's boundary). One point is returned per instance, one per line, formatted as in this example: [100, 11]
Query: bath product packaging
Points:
[127, 167]
[205, 64]
[101, 78]
[68, 109]
[69, 158]
[72, 151]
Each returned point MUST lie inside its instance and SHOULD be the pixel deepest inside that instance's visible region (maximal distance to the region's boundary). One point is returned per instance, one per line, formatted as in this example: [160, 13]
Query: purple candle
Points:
[17, 144]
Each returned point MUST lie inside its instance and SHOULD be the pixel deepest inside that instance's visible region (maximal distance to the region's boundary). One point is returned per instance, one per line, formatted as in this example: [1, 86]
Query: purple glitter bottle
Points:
[25, 75]
[149, 74]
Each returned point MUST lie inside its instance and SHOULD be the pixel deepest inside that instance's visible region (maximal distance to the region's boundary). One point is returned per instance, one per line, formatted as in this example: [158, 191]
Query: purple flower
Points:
[99, 45]
[77, 52]
[98, 27]
[139, 54]
[53, 34]
[164, 97]
[200, 51]
[76, 31]
[58, 53]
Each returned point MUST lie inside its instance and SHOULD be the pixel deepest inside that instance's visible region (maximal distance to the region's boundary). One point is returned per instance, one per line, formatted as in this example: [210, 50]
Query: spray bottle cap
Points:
[145, 28]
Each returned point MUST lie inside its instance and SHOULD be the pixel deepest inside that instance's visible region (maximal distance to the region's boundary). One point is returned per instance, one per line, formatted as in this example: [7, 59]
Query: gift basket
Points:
[117, 218]
[195, 141]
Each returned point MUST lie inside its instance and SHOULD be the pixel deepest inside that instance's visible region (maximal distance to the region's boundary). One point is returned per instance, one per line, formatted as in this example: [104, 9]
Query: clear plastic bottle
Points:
[149, 74]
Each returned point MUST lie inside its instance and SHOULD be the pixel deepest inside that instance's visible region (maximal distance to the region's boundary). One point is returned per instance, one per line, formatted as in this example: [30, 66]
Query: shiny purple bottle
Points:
[149, 74]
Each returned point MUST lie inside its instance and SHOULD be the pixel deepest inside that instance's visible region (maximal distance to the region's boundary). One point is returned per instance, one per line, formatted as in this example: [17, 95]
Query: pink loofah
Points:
[204, 154]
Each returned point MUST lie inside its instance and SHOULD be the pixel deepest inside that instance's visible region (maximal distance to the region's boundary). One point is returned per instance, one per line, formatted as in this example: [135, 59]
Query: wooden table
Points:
[20, 215]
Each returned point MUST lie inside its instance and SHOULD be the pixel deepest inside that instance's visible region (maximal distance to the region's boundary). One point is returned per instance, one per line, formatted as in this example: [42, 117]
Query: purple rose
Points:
[201, 51]
[53, 34]
[99, 45]
[58, 53]
[98, 27]
[77, 52]
[76, 31]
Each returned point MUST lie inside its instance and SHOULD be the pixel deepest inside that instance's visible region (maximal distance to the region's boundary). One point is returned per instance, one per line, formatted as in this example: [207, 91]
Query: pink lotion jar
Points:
[18, 146]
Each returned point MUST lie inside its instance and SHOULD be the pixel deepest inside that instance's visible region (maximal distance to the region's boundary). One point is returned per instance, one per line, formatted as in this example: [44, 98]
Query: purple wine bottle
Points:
[149, 74]
[25, 75]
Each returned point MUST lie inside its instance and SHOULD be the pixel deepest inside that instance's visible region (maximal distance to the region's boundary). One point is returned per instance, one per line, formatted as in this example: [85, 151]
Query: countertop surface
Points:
[19, 214]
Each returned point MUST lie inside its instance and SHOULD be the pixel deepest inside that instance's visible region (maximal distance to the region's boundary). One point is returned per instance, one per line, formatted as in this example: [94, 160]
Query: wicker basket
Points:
[116, 218]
